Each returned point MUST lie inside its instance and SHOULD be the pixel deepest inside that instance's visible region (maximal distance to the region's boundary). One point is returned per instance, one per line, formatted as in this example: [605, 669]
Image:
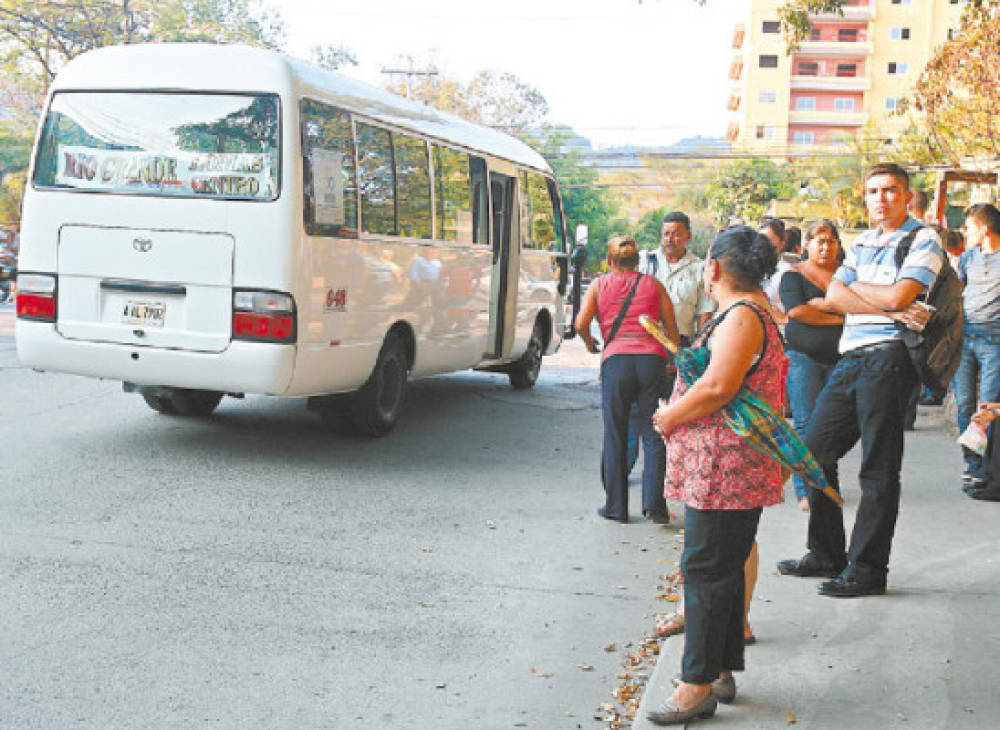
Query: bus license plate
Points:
[145, 313]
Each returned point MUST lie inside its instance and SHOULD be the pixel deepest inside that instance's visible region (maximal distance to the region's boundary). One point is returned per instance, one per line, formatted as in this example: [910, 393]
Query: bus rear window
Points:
[179, 145]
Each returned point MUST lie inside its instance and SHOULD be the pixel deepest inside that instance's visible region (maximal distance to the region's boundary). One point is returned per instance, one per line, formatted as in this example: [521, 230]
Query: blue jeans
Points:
[977, 380]
[626, 379]
[806, 378]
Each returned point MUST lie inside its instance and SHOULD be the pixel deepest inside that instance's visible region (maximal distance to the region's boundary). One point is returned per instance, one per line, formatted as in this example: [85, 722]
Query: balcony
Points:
[827, 118]
[734, 103]
[852, 13]
[844, 49]
[736, 70]
[733, 131]
[738, 34]
[831, 83]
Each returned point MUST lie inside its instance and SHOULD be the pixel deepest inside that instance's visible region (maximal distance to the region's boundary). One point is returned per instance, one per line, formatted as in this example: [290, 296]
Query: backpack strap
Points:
[622, 312]
[652, 263]
[903, 247]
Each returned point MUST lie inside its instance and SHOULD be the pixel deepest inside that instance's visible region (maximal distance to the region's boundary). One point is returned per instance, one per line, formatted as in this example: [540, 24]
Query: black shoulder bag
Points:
[616, 325]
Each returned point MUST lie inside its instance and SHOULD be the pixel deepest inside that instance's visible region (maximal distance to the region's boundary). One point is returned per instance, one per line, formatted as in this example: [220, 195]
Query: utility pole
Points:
[409, 73]
[126, 24]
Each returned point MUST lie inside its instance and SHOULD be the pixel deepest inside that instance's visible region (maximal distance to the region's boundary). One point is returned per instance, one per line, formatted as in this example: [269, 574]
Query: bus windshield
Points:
[168, 144]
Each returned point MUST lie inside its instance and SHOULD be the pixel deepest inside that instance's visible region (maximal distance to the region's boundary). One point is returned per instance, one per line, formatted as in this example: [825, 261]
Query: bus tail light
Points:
[36, 297]
[263, 316]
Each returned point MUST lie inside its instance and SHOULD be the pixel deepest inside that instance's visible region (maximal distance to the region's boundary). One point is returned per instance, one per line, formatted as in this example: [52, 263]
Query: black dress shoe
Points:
[603, 512]
[809, 566]
[657, 516]
[848, 585]
[986, 493]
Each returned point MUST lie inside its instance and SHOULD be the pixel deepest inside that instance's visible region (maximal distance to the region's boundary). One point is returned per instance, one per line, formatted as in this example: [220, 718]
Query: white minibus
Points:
[204, 220]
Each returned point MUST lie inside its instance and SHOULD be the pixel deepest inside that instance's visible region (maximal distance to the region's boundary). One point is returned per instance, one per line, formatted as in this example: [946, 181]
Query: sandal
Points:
[670, 625]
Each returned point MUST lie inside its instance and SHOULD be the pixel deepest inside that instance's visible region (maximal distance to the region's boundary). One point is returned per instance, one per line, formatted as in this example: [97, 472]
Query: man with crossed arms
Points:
[867, 391]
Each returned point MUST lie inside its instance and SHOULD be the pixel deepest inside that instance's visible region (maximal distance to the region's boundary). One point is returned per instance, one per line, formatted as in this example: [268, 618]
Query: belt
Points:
[888, 346]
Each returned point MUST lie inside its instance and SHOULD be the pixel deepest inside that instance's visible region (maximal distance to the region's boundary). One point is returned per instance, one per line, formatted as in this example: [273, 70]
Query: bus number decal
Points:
[336, 300]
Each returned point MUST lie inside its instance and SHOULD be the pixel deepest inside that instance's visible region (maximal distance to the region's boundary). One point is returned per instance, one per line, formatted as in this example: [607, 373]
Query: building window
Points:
[898, 67]
[771, 26]
[841, 104]
[908, 2]
[764, 132]
[808, 68]
[768, 61]
[767, 97]
[814, 34]
[890, 103]
[847, 69]
[847, 34]
[804, 138]
[900, 34]
[805, 103]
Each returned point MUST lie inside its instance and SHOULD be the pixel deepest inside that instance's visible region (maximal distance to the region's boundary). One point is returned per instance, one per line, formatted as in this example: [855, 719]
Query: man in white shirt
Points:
[680, 272]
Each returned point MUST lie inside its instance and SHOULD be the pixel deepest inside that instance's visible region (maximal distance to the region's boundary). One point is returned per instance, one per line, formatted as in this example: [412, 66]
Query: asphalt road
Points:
[254, 571]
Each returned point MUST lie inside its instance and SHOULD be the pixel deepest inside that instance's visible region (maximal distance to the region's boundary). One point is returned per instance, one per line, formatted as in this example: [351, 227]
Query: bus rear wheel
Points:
[376, 407]
[524, 373]
[183, 402]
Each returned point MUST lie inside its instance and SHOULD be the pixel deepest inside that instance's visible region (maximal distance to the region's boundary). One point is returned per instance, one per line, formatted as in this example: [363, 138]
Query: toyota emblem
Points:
[142, 245]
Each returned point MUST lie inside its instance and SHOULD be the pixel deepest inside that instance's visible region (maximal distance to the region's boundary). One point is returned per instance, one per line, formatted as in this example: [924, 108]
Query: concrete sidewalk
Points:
[922, 656]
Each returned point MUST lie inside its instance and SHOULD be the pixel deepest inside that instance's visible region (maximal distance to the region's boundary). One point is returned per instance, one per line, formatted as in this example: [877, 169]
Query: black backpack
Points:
[937, 350]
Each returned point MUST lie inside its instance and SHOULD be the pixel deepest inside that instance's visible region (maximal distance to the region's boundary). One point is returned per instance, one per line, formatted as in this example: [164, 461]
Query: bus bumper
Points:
[243, 367]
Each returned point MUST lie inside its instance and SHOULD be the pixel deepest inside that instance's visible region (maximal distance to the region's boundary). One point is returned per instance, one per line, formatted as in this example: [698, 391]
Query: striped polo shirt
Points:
[872, 260]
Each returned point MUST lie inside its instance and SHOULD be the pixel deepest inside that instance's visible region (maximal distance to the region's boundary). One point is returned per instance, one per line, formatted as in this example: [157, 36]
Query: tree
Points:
[959, 90]
[495, 99]
[744, 188]
[794, 17]
[332, 57]
[504, 101]
[583, 201]
[37, 39]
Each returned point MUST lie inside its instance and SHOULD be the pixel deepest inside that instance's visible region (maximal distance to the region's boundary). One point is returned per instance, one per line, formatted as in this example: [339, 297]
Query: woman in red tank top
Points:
[633, 369]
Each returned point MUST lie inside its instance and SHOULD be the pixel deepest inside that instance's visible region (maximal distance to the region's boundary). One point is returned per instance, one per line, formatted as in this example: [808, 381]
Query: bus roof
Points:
[213, 67]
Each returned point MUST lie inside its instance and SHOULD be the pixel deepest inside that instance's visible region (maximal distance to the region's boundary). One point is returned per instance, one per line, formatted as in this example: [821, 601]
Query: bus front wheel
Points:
[376, 407]
[524, 372]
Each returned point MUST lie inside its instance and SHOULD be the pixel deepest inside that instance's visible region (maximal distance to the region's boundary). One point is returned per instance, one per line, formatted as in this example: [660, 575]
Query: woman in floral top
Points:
[723, 482]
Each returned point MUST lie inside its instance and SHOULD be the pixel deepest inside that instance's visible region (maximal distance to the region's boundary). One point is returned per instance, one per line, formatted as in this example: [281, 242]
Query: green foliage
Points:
[744, 188]
[794, 17]
[583, 201]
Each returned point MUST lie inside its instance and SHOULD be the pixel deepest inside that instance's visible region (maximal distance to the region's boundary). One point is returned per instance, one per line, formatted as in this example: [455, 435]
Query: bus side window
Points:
[329, 179]
[480, 201]
[377, 180]
[453, 185]
[543, 228]
[413, 186]
[522, 186]
[559, 244]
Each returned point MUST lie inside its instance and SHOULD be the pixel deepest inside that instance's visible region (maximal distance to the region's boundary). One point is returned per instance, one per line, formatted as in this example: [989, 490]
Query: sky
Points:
[643, 72]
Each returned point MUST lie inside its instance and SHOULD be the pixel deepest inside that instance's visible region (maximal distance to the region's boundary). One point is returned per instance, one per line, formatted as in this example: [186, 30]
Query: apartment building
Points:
[853, 69]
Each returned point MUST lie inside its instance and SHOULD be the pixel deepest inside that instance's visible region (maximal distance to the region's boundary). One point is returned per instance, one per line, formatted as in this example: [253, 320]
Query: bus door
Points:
[503, 287]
